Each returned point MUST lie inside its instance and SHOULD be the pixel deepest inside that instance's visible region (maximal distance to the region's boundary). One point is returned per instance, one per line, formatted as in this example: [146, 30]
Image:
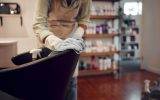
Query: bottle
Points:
[109, 63]
[93, 63]
[100, 63]
[81, 65]
[105, 64]
[146, 92]
[114, 64]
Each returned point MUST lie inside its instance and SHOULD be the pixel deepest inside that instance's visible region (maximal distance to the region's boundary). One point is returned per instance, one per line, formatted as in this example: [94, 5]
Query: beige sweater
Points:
[56, 17]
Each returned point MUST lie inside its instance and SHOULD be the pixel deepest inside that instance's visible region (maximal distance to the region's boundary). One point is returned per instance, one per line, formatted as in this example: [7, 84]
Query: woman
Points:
[57, 20]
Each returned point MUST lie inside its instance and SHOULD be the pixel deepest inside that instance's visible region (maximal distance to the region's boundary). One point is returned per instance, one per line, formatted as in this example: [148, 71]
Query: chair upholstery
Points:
[43, 79]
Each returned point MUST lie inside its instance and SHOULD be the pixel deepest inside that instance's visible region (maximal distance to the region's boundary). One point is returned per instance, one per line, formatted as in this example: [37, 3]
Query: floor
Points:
[127, 87]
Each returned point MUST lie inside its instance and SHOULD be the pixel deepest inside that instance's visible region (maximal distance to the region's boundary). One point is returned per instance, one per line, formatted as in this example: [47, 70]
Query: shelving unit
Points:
[111, 70]
[100, 55]
[129, 40]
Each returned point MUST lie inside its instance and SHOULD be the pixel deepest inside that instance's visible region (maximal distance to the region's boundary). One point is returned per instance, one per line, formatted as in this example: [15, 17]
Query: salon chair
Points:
[45, 78]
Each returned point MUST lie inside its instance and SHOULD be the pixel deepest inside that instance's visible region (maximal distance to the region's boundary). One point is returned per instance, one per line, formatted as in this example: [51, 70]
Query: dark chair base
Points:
[5, 96]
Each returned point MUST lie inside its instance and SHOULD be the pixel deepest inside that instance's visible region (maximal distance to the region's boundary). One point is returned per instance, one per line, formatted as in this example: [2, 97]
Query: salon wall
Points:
[12, 28]
[151, 36]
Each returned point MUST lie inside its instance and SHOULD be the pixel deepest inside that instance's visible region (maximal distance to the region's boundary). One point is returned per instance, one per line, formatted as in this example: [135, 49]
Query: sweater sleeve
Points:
[84, 13]
[40, 26]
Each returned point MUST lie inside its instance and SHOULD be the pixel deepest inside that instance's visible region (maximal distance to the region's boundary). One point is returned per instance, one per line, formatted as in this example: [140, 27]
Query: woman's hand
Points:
[51, 41]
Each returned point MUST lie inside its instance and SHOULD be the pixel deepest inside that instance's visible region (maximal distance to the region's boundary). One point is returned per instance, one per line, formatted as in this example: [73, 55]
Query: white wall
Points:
[151, 35]
[13, 30]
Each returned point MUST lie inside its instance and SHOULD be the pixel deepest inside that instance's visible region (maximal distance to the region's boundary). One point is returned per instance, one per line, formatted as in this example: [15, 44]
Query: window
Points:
[133, 8]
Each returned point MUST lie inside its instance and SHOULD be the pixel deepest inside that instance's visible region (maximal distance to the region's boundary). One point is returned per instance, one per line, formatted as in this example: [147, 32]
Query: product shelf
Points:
[97, 72]
[129, 43]
[103, 17]
[92, 35]
[108, 0]
[98, 54]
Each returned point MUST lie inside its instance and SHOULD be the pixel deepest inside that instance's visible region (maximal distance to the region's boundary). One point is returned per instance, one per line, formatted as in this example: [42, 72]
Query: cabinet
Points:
[11, 15]
[130, 40]
[102, 40]
[8, 49]
[10, 10]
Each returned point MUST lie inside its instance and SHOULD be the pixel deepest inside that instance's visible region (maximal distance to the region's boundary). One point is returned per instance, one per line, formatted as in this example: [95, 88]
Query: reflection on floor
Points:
[127, 87]
[130, 65]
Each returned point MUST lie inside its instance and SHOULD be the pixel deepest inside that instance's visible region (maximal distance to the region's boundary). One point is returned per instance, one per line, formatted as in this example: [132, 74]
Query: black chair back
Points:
[42, 79]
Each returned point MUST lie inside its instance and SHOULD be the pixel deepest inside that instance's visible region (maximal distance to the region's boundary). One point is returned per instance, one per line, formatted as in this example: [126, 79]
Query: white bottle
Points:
[100, 64]
[128, 39]
[105, 62]
[114, 64]
[109, 62]
[116, 57]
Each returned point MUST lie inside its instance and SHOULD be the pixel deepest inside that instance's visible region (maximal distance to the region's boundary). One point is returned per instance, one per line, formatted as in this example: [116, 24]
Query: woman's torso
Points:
[62, 17]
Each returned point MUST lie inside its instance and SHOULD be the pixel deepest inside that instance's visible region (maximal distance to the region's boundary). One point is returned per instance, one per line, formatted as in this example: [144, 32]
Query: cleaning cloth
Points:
[76, 44]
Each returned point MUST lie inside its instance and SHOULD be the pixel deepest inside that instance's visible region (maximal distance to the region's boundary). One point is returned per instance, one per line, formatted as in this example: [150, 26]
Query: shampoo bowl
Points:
[43, 79]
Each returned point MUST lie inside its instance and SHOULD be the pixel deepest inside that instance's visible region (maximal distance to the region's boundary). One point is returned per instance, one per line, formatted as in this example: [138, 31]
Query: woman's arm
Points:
[84, 13]
[40, 25]
[83, 18]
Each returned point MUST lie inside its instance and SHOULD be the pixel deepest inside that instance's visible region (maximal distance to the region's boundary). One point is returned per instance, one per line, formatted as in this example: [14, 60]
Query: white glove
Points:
[51, 41]
[78, 33]
[35, 53]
